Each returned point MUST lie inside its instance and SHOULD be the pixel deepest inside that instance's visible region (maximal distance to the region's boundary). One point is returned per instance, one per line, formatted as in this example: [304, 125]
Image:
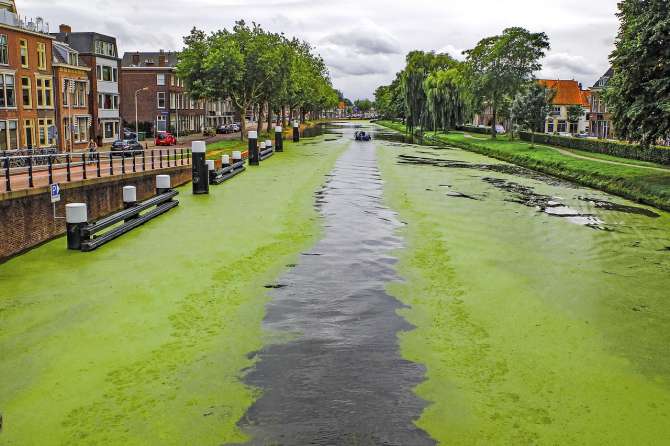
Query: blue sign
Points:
[55, 193]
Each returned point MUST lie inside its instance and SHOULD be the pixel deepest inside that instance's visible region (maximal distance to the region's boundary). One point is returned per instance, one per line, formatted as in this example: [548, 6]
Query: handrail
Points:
[106, 222]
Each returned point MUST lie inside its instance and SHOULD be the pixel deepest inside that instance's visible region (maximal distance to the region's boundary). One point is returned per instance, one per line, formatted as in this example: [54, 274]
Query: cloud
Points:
[363, 43]
[566, 65]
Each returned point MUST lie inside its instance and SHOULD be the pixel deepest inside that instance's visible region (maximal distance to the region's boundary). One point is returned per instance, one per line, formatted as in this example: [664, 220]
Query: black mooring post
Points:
[296, 131]
[69, 171]
[31, 181]
[199, 168]
[97, 165]
[8, 181]
[51, 170]
[83, 165]
[111, 164]
[254, 155]
[279, 139]
[76, 217]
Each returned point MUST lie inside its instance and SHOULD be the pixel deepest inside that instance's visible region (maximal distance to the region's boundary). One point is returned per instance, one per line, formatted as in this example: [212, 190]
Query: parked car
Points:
[236, 127]
[165, 139]
[125, 147]
[129, 134]
[224, 129]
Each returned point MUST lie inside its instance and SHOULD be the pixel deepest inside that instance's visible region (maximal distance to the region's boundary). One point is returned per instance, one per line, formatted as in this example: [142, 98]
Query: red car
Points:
[165, 139]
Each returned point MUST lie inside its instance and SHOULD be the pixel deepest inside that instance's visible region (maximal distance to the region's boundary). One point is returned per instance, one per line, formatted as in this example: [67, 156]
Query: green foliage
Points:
[531, 107]
[364, 105]
[444, 98]
[252, 66]
[499, 66]
[639, 92]
[655, 154]
[389, 99]
[575, 112]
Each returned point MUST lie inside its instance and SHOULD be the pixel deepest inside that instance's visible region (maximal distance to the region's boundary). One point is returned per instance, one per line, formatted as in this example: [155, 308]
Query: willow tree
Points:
[500, 66]
[419, 66]
[445, 105]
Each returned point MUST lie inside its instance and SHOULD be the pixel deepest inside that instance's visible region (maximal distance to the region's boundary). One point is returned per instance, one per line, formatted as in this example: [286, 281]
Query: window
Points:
[105, 48]
[115, 102]
[110, 129]
[160, 79]
[172, 77]
[161, 99]
[115, 75]
[98, 71]
[81, 125]
[29, 133]
[41, 56]
[556, 110]
[161, 123]
[23, 45]
[173, 101]
[44, 92]
[550, 126]
[4, 53]
[106, 73]
[47, 136]
[7, 91]
[26, 92]
[562, 126]
[13, 127]
[108, 101]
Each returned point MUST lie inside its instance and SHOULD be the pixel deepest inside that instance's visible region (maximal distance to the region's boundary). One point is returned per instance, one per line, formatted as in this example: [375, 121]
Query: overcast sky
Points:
[363, 42]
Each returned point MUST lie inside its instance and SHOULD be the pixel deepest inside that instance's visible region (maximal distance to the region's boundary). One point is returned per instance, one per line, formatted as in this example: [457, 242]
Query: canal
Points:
[348, 293]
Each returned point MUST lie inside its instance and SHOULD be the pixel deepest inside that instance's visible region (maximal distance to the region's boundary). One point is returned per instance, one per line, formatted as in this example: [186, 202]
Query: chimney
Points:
[580, 86]
[66, 29]
[136, 59]
[161, 59]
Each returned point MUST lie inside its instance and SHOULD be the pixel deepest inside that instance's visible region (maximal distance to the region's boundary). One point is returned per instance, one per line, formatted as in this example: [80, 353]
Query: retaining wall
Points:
[26, 216]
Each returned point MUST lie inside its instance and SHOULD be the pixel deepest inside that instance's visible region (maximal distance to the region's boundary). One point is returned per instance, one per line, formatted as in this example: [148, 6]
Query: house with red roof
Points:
[568, 93]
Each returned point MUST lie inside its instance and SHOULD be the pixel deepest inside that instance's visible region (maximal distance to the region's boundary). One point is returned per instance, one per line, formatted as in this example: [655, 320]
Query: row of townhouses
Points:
[64, 89]
[595, 121]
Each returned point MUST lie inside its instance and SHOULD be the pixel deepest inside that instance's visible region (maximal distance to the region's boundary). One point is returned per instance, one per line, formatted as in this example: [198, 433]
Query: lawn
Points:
[642, 185]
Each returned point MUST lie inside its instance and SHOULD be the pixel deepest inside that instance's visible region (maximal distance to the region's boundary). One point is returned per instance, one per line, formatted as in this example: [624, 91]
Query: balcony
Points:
[37, 25]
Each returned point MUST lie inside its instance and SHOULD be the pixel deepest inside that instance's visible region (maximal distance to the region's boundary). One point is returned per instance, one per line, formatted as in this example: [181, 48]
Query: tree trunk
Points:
[494, 123]
[243, 121]
[259, 121]
[269, 118]
[283, 116]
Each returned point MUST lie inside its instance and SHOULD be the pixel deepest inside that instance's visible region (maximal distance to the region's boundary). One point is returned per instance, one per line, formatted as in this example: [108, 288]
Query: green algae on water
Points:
[145, 340]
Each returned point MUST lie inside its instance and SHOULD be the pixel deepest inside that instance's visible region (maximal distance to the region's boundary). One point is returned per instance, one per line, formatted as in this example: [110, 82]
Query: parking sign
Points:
[55, 193]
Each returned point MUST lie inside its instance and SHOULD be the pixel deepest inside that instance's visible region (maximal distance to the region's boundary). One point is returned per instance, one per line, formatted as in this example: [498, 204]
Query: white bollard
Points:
[268, 143]
[162, 184]
[237, 156]
[210, 165]
[225, 160]
[129, 194]
[296, 131]
[76, 217]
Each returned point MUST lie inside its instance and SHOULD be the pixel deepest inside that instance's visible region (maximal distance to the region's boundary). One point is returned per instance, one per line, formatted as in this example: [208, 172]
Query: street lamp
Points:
[137, 124]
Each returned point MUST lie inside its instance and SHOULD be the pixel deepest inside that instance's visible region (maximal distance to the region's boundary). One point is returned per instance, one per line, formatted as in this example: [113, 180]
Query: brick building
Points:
[99, 52]
[601, 118]
[27, 116]
[165, 103]
[73, 113]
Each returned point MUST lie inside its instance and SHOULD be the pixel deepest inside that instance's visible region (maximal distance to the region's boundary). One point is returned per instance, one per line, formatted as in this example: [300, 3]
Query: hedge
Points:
[474, 129]
[655, 154]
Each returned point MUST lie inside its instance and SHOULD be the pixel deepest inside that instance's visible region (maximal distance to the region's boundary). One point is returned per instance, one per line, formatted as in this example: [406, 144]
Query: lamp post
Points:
[137, 124]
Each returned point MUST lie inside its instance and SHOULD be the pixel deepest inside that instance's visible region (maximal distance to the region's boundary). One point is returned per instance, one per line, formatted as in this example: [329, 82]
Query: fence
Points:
[29, 170]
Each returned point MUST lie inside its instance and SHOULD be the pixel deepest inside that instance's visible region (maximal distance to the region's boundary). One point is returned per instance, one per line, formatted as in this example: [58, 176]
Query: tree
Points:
[639, 92]
[499, 66]
[364, 105]
[575, 112]
[445, 104]
[419, 66]
[531, 108]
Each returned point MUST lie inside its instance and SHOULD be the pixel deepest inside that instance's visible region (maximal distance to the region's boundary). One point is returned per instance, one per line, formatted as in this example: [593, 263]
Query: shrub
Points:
[475, 129]
[660, 155]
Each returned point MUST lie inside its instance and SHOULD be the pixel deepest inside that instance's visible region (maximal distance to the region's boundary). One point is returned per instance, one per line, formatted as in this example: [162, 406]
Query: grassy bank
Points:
[533, 330]
[145, 340]
[646, 186]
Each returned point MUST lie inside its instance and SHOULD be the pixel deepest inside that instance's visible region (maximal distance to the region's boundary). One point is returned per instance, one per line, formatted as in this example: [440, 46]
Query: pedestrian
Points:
[92, 149]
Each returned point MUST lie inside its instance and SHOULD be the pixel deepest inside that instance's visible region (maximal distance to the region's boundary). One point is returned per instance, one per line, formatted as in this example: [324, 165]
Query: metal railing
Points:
[29, 170]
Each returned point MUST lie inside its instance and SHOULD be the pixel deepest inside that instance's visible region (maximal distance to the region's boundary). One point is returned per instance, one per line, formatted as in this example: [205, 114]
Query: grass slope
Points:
[641, 185]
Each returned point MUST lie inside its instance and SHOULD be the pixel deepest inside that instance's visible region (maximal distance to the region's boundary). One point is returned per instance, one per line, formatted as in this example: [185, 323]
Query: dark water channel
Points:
[340, 380]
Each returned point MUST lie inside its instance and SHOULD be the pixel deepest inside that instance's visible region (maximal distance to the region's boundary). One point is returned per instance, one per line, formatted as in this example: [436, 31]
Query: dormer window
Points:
[73, 58]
